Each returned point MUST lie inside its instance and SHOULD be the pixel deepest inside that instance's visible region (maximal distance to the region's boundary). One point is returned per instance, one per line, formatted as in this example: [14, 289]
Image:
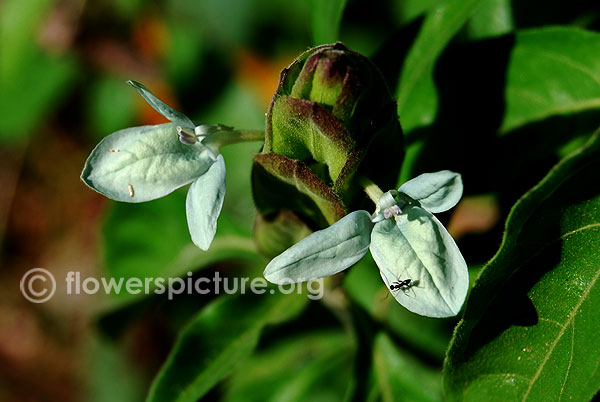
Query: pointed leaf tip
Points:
[436, 192]
[204, 202]
[325, 252]
[161, 107]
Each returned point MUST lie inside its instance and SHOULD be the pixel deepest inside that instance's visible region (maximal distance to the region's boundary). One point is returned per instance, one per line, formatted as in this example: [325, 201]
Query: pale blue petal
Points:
[144, 163]
[436, 192]
[325, 252]
[417, 246]
[161, 107]
[204, 202]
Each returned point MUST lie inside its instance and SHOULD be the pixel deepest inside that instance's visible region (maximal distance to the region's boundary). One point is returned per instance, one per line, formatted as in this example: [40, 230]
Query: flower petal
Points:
[325, 252]
[418, 247]
[436, 192]
[204, 202]
[161, 107]
[144, 163]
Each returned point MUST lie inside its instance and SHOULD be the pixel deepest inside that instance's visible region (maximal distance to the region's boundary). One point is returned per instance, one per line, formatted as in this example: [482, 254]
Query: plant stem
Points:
[372, 189]
[223, 138]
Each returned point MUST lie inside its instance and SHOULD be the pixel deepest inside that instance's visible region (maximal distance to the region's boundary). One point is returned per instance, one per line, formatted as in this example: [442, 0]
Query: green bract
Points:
[144, 163]
[331, 119]
[406, 241]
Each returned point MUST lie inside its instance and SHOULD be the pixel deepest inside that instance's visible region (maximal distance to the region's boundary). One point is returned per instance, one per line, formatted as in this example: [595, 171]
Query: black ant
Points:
[402, 285]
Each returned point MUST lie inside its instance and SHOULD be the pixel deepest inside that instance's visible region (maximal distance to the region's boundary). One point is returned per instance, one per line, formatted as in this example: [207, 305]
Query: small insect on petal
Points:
[130, 190]
[400, 284]
[114, 150]
[403, 285]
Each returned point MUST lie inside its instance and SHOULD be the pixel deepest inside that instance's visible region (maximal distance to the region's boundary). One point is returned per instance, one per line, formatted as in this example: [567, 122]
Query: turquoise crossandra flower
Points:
[417, 258]
[144, 163]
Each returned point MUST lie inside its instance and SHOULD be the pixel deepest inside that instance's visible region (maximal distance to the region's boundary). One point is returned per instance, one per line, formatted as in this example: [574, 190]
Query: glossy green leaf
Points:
[204, 202]
[530, 329]
[325, 18]
[144, 163]
[325, 252]
[315, 366]
[416, 246]
[416, 94]
[552, 71]
[436, 192]
[401, 377]
[161, 107]
[493, 18]
[214, 342]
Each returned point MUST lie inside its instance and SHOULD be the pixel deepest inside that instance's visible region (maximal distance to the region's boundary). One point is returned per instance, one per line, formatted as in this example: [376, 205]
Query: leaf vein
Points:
[562, 388]
[571, 316]
[568, 62]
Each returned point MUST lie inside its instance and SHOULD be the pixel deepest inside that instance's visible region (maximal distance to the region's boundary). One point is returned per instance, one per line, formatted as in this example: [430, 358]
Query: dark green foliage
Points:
[499, 91]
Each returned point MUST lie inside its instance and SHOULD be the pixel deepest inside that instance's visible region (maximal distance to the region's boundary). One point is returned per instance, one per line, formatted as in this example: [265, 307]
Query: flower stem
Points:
[222, 138]
[372, 189]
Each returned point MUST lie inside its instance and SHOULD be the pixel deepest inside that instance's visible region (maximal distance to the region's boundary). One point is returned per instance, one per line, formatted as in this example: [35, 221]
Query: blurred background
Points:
[63, 67]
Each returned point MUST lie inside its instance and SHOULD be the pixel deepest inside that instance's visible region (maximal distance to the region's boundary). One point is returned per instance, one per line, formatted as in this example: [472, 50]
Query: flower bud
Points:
[331, 120]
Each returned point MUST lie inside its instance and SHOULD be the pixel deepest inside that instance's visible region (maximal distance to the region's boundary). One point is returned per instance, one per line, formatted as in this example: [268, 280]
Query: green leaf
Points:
[325, 252]
[530, 329]
[110, 106]
[315, 366]
[552, 71]
[110, 368]
[204, 202]
[32, 82]
[408, 10]
[416, 94]
[135, 247]
[186, 53]
[47, 79]
[215, 341]
[402, 378]
[436, 192]
[325, 18]
[139, 164]
[20, 21]
[161, 107]
[417, 247]
[493, 18]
